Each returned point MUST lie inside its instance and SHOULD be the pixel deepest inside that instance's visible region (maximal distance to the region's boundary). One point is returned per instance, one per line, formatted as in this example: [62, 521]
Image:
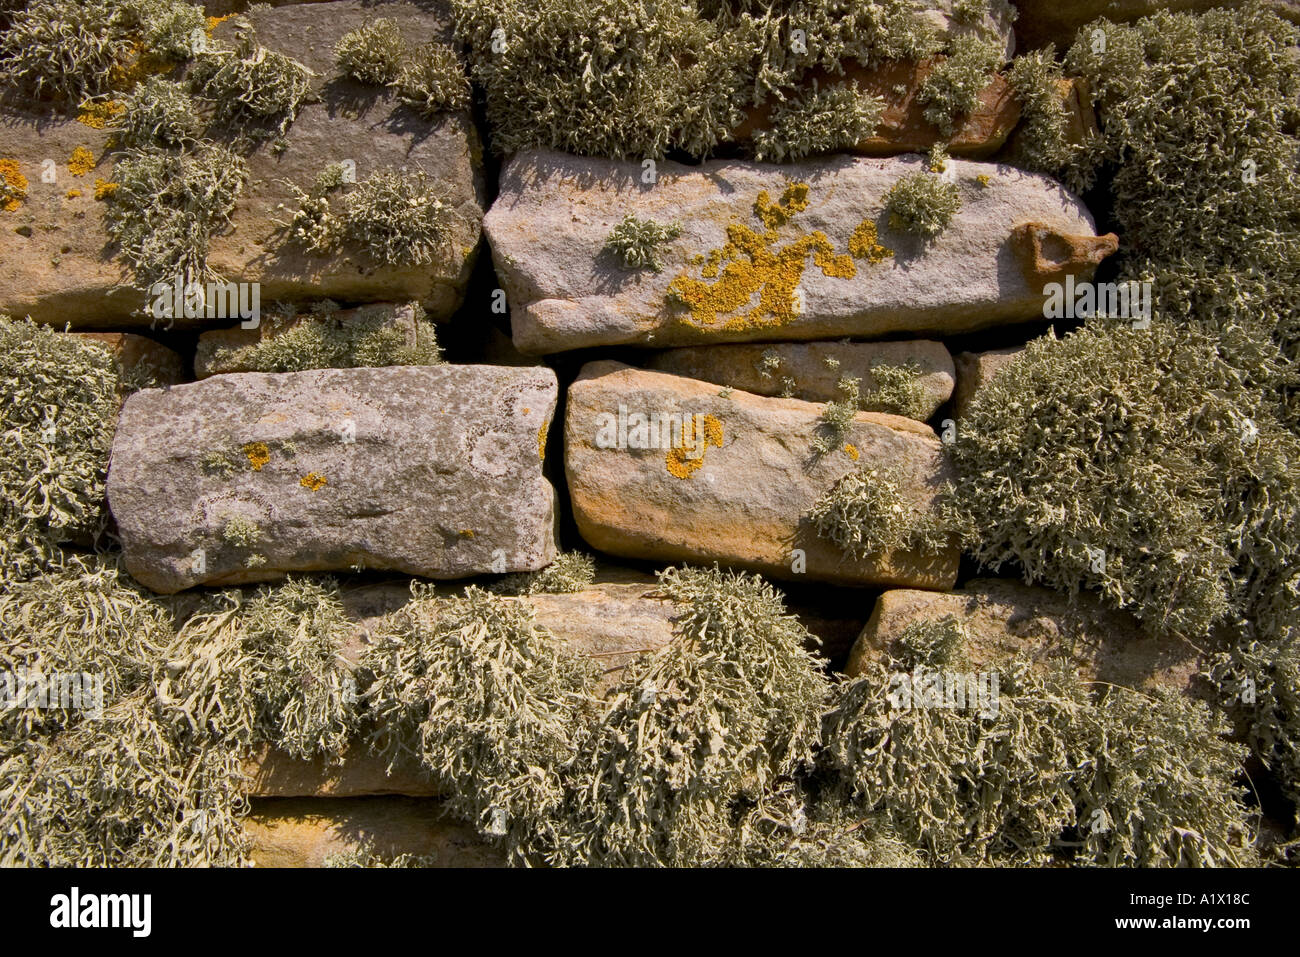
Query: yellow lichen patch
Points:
[97, 115]
[851, 450]
[105, 189]
[679, 461]
[73, 193]
[863, 244]
[140, 63]
[214, 22]
[13, 186]
[314, 481]
[258, 454]
[81, 162]
[541, 442]
[775, 215]
[753, 267]
[464, 532]
[983, 179]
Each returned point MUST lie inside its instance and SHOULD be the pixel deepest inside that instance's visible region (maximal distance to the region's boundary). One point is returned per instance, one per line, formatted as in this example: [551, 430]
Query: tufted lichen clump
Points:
[634, 241]
[1038, 769]
[157, 779]
[1043, 142]
[570, 572]
[1149, 446]
[865, 513]
[400, 217]
[1217, 231]
[250, 87]
[952, 88]
[820, 120]
[898, 390]
[167, 206]
[922, 203]
[68, 51]
[432, 80]
[696, 734]
[489, 703]
[372, 53]
[159, 112]
[60, 399]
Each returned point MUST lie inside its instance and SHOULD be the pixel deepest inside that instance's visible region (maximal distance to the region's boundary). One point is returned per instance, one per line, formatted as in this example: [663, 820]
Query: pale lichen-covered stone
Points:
[1004, 619]
[765, 252]
[432, 471]
[218, 350]
[812, 370]
[745, 501]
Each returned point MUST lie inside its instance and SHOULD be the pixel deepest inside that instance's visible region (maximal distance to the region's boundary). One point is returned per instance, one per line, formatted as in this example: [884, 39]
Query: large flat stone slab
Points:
[809, 269]
[431, 471]
[744, 503]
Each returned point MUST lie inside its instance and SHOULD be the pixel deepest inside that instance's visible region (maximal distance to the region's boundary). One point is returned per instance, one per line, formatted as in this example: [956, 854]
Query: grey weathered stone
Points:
[217, 351]
[1003, 619]
[549, 225]
[63, 269]
[811, 371]
[974, 370]
[432, 471]
[745, 502]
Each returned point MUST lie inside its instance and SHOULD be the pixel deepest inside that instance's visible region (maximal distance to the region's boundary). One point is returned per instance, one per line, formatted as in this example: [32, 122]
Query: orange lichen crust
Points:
[73, 193]
[15, 186]
[313, 482]
[863, 244]
[258, 454]
[97, 115]
[140, 63]
[81, 162]
[851, 451]
[105, 189]
[748, 264]
[678, 461]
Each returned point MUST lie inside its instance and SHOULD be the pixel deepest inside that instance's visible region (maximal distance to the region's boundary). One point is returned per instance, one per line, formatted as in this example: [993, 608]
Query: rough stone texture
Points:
[739, 366]
[431, 471]
[903, 127]
[746, 503]
[554, 214]
[140, 354]
[1047, 254]
[305, 832]
[974, 370]
[212, 355]
[1004, 618]
[1057, 21]
[66, 271]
